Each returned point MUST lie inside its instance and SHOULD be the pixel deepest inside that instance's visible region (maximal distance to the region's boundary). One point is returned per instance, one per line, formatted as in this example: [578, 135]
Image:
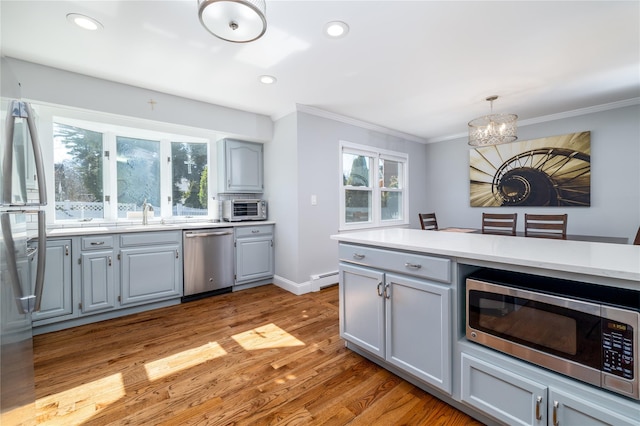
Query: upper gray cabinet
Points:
[240, 166]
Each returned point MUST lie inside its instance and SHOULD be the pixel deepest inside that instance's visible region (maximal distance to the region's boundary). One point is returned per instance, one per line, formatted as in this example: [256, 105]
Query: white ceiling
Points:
[419, 67]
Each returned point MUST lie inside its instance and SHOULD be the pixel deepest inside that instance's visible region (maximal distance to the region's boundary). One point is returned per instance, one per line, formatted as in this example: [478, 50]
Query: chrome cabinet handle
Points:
[97, 243]
[109, 260]
[538, 403]
[358, 256]
[177, 255]
[412, 265]
[387, 291]
[379, 289]
[66, 250]
[556, 404]
[255, 231]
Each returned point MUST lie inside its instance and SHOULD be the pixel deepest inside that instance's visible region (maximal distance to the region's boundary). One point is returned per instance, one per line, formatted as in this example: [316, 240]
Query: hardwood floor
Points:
[258, 357]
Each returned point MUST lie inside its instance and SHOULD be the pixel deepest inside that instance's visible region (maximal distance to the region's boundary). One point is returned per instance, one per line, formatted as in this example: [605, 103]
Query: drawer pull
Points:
[358, 256]
[538, 403]
[379, 289]
[412, 265]
[555, 413]
[97, 243]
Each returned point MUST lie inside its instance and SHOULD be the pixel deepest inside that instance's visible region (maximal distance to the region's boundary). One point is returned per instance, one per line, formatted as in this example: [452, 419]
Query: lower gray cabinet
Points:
[150, 274]
[517, 400]
[98, 281]
[401, 319]
[254, 253]
[57, 299]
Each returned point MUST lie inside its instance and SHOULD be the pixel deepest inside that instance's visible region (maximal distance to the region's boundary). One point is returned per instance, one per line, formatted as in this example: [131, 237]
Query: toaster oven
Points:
[239, 210]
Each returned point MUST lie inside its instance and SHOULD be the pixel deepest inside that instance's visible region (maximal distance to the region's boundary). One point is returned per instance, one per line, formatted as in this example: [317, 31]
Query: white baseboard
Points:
[320, 281]
[291, 286]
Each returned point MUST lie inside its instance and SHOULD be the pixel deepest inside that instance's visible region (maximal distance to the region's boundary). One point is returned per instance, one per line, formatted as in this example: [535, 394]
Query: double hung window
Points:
[373, 190]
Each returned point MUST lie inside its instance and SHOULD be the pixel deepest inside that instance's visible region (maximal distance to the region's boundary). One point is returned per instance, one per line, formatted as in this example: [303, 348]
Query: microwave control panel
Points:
[617, 349]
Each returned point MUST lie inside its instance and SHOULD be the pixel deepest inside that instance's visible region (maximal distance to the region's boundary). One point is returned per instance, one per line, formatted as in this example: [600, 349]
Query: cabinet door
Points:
[566, 409]
[98, 286]
[362, 308]
[254, 259]
[243, 166]
[502, 394]
[57, 291]
[149, 274]
[418, 331]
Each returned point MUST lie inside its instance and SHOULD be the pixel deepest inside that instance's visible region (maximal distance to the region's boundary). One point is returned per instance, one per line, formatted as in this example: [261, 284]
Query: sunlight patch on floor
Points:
[92, 396]
[183, 360]
[268, 336]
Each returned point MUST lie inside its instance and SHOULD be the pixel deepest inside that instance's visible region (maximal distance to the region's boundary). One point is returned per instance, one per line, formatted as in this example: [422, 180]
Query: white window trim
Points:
[111, 126]
[376, 154]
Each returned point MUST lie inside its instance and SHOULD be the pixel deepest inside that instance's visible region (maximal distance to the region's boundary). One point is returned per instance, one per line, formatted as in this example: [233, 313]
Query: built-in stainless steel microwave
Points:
[239, 210]
[586, 331]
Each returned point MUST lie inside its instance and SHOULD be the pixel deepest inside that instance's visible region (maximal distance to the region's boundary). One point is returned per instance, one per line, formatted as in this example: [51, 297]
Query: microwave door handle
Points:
[42, 251]
[37, 154]
[12, 264]
[7, 159]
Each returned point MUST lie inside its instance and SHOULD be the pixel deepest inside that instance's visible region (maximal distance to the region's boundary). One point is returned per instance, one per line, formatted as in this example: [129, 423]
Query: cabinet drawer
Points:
[97, 243]
[435, 268]
[150, 238]
[253, 231]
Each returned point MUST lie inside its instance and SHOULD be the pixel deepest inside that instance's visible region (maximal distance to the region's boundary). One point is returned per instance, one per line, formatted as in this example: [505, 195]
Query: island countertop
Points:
[619, 261]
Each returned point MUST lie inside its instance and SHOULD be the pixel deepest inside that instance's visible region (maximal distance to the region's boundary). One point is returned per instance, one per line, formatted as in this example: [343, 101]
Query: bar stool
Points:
[545, 226]
[428, 221]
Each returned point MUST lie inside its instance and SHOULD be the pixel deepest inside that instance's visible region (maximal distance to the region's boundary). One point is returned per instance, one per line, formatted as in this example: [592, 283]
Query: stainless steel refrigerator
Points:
[22, 259]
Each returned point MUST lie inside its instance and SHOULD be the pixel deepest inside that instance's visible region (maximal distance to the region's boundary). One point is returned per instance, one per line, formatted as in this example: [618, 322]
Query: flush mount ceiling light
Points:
[267, 79]
[493, 129]
[336, 29]
[239, 21]
[84, 21]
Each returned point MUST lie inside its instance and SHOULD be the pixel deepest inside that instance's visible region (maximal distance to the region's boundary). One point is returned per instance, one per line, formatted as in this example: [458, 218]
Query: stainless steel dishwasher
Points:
[208, 262]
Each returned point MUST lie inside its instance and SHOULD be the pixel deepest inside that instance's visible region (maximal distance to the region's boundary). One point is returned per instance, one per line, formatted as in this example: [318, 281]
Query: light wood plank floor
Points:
[257, 357]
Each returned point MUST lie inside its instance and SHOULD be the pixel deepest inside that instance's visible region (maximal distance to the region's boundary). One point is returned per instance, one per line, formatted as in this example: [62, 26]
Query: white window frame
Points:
[376, 154]
[111, 126]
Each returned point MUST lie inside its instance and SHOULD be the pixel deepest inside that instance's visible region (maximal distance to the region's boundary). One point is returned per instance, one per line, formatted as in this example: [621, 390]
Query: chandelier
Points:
[493, 129]
[239, 21]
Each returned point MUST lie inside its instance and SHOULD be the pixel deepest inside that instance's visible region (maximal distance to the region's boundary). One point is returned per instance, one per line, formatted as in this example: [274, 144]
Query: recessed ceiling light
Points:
[267, 79]
[336, 29]
[85, 22]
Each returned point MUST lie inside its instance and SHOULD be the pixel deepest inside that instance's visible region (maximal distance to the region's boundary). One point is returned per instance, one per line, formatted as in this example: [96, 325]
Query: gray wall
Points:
[309, 165]
[615, 176]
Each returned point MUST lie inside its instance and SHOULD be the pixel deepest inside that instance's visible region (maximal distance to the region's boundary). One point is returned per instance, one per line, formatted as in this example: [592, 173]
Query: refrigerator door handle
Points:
[37, 154]
[7, 158]
[42, 252]
[12, 264]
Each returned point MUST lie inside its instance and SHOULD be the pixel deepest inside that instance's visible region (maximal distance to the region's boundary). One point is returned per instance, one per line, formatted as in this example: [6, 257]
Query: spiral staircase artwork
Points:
[553, 171]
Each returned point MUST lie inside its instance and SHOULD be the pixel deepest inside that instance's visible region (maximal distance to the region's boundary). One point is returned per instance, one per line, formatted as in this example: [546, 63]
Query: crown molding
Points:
[359, 123]
[552, 117]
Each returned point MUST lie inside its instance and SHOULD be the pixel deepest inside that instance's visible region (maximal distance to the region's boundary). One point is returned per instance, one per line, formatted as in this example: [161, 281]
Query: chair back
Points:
[545, 226]
[636, 242]
[428, 221]
[499, 223]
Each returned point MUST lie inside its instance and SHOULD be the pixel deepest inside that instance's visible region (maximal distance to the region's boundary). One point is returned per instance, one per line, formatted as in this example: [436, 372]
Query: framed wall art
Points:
[552, 171]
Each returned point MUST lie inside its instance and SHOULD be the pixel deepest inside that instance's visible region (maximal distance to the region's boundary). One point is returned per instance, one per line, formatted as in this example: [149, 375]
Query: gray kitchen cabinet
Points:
[150, 273]
[240, 166]
[98, 289]
[402, 319]
[254, 253]
[515, 399]
[57, 293]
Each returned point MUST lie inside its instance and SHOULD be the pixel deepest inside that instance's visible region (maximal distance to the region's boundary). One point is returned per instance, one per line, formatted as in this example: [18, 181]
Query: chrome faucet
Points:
[145, 211]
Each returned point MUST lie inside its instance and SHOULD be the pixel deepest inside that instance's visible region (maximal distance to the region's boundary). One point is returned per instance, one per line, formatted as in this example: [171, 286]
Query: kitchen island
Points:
[402, 305]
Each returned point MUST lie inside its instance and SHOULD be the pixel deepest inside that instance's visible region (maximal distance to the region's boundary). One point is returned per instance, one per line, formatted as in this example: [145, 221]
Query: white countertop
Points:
[620, 261]
[92, 229]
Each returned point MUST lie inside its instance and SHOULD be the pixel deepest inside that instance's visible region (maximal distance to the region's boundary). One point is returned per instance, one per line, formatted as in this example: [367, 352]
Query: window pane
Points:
[357, 206]
[355, 170]
[390, 174]
[77, 158]
[189, 179]
[138, 175]
[391, 205]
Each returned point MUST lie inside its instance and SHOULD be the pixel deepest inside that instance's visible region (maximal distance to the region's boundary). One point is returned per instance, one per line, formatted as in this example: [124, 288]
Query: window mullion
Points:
[165, 178]
[109, 176]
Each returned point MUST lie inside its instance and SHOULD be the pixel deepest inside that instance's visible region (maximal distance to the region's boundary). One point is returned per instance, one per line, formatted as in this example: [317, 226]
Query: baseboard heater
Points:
[320, 281]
